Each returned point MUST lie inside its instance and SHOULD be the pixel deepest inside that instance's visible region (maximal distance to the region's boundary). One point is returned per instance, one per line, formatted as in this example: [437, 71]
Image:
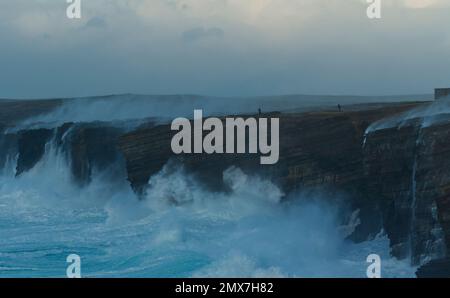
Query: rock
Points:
[31, 148]
[90, 147]
[435, 269]
[13, 111]
[8, 147]
[389, 157]
[408, 174]
[321, 150]
[145, 152]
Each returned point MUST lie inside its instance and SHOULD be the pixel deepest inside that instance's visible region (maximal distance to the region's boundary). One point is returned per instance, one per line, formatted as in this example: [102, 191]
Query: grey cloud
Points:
[96, 22]
[201, 33]
[220, 47]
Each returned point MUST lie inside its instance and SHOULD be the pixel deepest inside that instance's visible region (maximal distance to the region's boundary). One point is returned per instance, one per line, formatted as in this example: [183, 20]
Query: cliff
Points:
[397, 178]
[13, 111]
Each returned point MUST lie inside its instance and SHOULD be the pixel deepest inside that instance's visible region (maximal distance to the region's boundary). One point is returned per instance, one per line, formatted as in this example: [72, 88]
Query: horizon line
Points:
[213, 96]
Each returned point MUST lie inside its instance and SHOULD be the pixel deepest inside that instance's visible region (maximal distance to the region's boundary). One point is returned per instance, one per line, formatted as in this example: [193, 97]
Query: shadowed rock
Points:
[31, 148]
[435, 269]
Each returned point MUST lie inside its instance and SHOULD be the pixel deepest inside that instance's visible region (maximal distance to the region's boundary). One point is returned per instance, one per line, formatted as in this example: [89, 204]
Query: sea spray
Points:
[179, 229]
[427, 114]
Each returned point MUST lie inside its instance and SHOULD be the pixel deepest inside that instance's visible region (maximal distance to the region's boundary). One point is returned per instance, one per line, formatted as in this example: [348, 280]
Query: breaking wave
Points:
[179, 229]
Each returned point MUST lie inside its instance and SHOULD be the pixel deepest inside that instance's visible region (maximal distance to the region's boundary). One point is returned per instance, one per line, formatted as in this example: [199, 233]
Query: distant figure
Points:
[340, 108]
[259, 111]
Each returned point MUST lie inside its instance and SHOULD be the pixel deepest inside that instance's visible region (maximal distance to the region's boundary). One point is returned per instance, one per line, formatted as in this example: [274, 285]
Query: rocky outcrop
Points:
[91, 147]
[8, 147]
[87, 147]
[435, 269]
[31, 148]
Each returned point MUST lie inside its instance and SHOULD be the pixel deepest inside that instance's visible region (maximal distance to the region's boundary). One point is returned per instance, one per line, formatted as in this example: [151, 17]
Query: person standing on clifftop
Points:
[339, 108]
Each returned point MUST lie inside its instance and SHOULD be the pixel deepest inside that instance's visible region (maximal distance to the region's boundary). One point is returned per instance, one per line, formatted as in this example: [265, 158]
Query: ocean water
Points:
[179, 229]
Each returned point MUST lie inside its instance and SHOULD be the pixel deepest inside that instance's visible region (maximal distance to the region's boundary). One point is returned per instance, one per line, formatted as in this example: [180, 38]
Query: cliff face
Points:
[314, 147]
[91, 147]
[396, 161]
[88, 146]
[410, 174]
[322, 151]
[398, 178]
[31, 145]
[433, 182]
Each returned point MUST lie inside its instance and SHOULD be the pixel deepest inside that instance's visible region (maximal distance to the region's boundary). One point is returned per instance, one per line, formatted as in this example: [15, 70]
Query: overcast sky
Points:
[223, 47]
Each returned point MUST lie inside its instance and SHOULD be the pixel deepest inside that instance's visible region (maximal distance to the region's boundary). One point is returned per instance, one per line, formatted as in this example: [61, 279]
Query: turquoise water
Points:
[248, 232]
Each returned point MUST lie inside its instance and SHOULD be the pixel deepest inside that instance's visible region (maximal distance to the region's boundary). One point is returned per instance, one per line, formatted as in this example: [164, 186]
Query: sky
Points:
[223, 47]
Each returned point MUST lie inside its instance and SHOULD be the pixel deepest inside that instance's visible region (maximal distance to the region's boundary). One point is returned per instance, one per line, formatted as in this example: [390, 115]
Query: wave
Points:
[179, 229]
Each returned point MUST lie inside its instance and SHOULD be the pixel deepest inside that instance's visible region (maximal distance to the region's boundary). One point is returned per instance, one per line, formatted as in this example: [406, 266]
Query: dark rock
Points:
[31, 145]
[14, 111]
[8, 147]
[435, 269]
[408, 174]
[90, 147]
[389, 157]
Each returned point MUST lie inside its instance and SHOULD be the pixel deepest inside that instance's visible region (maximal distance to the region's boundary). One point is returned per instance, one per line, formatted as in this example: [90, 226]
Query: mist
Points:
[179, 228]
